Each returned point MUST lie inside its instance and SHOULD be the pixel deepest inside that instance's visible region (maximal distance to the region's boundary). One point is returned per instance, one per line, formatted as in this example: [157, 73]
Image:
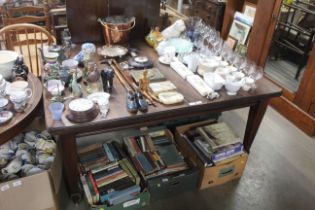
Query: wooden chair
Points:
[26, 39]
[38, 15]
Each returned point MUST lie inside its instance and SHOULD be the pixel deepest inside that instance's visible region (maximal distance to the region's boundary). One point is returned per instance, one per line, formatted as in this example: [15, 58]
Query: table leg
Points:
[255, 116]
[69, 156]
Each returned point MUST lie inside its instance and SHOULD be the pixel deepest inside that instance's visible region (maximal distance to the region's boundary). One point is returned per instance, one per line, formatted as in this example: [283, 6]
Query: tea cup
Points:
[18, 86]
[19, 98]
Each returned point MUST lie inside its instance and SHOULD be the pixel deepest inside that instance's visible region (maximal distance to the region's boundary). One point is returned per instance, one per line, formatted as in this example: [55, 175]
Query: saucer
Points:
[163, 60]
[81, 105]
[141, 59]
[98, 97]
[3, 102]
[5, 116]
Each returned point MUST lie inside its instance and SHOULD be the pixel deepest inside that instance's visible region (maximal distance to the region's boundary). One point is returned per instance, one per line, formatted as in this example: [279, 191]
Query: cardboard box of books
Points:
[160, 163]
[34, 168]
[215, 148]
[109, 180]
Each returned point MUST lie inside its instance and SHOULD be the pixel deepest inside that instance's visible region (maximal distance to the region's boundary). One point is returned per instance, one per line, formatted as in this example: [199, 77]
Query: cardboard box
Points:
[213, 175]
[142, 200]
[36, 192]
[166, 186]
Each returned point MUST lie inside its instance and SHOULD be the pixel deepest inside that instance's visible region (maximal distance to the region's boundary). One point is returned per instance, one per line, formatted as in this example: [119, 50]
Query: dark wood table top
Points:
[21, 119]
[119, 118]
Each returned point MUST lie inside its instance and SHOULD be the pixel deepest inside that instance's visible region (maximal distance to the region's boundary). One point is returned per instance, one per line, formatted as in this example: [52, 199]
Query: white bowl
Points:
[70, 63]
[55, 86]
[214, 80]
[7, 60]
[233, 86]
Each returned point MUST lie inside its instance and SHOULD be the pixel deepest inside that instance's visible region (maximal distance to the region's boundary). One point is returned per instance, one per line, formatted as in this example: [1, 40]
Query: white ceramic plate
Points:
[99, 97]
[113, 51]
[3, 102]
[5, 116]
[164, 60]
[81, 105]
[141, 59]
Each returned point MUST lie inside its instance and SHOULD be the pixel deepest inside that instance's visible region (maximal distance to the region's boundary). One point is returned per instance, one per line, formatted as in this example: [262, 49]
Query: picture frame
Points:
[231, 42]
[249, 9]
[239, 31]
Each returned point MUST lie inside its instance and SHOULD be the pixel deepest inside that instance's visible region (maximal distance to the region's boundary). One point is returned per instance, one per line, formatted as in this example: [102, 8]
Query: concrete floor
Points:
[280, 173]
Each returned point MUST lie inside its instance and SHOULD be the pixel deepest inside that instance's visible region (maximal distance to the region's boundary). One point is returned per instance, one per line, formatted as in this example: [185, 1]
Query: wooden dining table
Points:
[119, 118]
[21, 120]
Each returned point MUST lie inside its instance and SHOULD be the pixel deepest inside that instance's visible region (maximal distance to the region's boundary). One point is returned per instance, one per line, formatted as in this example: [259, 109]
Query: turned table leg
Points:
[255, 116]
[69, 156]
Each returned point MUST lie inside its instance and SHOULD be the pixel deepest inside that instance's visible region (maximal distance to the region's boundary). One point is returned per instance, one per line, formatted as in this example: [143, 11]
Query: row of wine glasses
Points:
[208, 42]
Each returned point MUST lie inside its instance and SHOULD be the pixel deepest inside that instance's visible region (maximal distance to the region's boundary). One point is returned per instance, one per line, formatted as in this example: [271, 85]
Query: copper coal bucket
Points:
[116, 29]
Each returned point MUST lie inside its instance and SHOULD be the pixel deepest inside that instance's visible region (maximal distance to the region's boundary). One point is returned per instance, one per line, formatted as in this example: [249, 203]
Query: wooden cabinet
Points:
[211, 11]
[58, 22]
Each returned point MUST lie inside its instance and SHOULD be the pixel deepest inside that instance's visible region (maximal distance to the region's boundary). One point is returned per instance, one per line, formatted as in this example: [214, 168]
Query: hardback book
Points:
[124, 195]
[132, 170]
[89, 148]
[111, 179]
[222, 135]
[154, 75]
[107, 172]
[91, 180]
[86, 190]
[203, 147]
[227, 152]
[109, 153]
[206, 161]
[170, 155]
[104, 167]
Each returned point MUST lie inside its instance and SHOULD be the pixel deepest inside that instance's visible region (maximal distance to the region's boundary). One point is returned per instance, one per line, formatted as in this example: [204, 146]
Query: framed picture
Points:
[249, 9]
[231, 42]
[239, 31]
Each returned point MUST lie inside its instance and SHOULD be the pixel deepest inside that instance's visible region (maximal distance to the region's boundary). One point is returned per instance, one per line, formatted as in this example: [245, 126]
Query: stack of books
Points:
[216, 142]
[107, 176]
[154, 154]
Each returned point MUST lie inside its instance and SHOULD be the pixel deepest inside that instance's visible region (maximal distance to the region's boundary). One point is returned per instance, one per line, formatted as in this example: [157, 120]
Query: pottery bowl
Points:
[7, 60]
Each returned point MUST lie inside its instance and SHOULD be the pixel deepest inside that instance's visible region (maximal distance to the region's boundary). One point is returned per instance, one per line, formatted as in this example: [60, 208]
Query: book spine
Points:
[108, 177]
[108, 152]
[114, 152]
[130, 149]
[123, 175]
[106, 173]
[133, 171]
[86, 190]
[135, 145]
[205, 136]
[125, 168]
[97, 194]
[103, 167]
[120, 152]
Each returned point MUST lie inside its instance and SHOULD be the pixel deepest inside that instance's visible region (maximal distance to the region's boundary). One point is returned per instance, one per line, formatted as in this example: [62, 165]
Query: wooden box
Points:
[212, 175]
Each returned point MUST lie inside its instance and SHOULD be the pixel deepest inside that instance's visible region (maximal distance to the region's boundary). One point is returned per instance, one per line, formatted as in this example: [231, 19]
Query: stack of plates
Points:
[82, 110]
